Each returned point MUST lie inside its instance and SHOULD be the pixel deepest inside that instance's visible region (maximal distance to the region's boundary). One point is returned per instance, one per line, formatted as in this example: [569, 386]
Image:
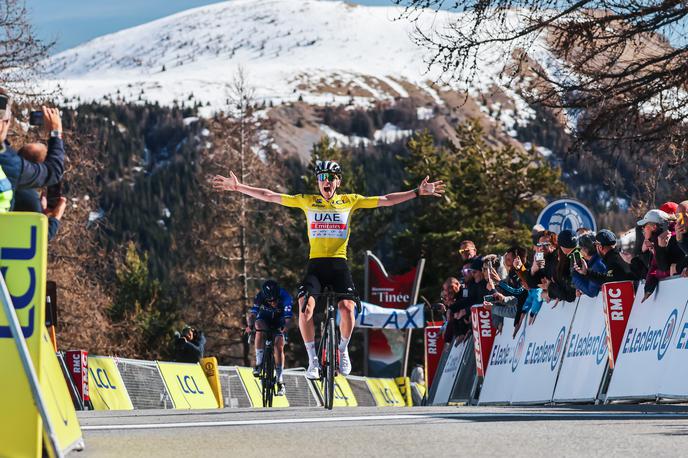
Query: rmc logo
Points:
[667, 334]
[520, 345]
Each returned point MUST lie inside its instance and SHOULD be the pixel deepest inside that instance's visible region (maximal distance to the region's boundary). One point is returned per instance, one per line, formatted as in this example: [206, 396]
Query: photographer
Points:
[23, 174]
[30, 200]
[617, 268]
[189, 345]
[588, 286]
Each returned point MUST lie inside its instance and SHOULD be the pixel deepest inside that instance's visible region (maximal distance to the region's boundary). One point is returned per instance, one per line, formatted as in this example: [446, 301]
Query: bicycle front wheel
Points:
[331, 364]
[268, 379]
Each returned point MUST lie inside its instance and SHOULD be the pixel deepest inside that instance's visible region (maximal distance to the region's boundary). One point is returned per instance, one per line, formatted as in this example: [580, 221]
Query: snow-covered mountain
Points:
[321, 51]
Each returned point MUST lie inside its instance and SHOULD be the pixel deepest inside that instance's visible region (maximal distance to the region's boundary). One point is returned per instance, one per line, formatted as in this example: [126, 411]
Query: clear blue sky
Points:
[71, 22]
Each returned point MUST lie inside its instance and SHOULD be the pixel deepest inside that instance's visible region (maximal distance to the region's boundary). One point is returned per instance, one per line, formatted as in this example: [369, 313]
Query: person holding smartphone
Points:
[23, 174]
[589, 286]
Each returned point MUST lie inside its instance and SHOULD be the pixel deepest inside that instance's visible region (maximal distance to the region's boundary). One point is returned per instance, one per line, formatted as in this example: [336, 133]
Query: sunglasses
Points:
[327, 176]
[465, 250]
[543, 244]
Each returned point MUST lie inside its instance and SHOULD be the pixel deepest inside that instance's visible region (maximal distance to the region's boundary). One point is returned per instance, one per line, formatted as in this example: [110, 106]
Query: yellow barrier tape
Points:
[187, 385]
[385, 392]
[255, 389]
[23, 261]
[106, 386]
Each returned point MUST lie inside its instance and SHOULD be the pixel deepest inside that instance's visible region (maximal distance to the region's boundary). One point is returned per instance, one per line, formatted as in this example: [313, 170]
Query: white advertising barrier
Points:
[447, 377]
[540, 357]
[585, 354]
[499, 375]
[376, 317]
[652, 332]
[674, 380]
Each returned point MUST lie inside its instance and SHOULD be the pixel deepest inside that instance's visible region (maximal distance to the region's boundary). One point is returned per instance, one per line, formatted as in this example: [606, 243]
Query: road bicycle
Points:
[329, 340]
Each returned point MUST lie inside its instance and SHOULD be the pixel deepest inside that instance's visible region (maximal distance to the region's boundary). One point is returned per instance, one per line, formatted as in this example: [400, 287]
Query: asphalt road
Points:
[360, 432]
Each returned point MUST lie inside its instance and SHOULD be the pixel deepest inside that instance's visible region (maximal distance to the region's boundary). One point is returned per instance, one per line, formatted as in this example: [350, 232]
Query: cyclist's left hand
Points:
[436, 188]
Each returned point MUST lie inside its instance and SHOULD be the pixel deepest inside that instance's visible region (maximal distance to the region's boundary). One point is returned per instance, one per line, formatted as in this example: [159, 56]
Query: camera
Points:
[36, 118]
[489, 298]
[539, 256]
[53, 194]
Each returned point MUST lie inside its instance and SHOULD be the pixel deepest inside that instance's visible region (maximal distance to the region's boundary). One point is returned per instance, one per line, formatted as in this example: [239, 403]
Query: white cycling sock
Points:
[259, 357]
[278, 372]
[310, 348]
[343, 343]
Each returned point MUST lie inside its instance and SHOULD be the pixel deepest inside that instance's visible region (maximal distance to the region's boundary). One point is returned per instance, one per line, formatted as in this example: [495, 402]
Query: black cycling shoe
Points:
[280, 389]
[256, 371]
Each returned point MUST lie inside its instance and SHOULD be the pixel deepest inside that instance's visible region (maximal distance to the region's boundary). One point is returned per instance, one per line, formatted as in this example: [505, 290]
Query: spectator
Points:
[449, 297]
[189, 345]
[681, 229]
[670, 255]
[468, 252]
[502, 307]
[585, 285]
[583, 230]
[475, 289]
[559, 282]
[655, 226]
[23, 174]
[29, 200]
[617, 268]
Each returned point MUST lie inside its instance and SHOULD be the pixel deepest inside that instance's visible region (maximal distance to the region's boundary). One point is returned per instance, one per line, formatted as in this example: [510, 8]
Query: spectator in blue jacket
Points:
[23, 174]
[586, 285]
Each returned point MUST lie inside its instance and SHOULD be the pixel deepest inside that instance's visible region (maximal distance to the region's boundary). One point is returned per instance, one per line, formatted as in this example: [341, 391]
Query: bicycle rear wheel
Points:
[268, 378]
[331, 363]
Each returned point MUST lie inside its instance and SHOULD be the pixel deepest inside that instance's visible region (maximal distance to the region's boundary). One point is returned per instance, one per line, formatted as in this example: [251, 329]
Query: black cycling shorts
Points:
[332, 272]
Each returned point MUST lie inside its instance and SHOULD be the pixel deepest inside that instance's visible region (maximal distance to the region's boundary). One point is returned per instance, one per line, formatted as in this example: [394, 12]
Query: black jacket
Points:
[617, 269]
[190, 352]
[671, 254]
[28, 200]
[25, 174]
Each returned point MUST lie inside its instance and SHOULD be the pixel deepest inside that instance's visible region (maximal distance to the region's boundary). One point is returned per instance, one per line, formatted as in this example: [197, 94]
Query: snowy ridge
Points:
[322, 52]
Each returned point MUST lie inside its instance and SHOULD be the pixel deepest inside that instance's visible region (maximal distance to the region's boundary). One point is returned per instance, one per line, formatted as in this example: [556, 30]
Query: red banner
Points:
[618, 302]
[77, 364]
[386, 347]
[483, 337]
[434, 343]
[391, 291]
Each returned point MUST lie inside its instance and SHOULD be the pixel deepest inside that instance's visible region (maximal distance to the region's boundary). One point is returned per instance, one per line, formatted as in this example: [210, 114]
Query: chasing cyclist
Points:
[271, 311]
[329, 217]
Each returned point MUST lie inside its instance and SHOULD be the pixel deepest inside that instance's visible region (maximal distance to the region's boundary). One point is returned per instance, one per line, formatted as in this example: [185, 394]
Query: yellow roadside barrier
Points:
[106, 386]
[187, 385]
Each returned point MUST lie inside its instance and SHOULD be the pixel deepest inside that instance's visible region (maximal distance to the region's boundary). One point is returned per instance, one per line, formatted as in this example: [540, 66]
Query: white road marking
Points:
[439, 416]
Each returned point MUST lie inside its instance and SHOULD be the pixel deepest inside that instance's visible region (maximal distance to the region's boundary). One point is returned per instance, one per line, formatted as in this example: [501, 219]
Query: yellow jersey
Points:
[328, 221]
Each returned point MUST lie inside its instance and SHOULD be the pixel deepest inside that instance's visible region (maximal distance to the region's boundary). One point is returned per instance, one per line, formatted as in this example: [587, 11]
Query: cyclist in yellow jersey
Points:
[329, 225]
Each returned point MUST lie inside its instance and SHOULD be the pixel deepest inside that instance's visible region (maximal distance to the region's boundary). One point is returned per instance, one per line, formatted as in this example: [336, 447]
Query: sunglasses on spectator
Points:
[464, 250]
[327, 176]
[543, 244]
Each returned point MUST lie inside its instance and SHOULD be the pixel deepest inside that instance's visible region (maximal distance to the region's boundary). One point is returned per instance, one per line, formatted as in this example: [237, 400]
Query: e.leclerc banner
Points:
[674, 380]
[651, 333]
[540, 356]
[500, 375]
[386, 347]
[585, 355]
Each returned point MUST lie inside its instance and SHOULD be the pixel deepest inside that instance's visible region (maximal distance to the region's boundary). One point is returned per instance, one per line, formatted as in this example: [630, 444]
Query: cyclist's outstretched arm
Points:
[436, 189]
[221, 183]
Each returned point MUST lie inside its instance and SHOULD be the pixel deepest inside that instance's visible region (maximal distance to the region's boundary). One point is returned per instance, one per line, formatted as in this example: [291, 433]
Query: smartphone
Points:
[53, 194]
[577, 258]
[36, 118]
[4, 101]
[680, 218]
[539, 256]
[489, 298]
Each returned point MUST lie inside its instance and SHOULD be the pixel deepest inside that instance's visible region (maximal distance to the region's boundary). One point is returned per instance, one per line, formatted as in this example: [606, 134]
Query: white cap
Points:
[654, 216]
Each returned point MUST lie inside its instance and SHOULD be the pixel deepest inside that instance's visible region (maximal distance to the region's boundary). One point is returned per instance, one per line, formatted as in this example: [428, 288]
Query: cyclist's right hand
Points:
[221, 183]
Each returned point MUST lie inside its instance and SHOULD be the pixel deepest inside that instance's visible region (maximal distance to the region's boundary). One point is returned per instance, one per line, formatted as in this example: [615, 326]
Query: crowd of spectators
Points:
[562, 267]
[30, 176]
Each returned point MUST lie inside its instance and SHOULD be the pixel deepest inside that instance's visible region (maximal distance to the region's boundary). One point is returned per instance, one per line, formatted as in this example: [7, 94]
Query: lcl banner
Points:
[434, 343]
[483, 337]
[386, 347]
[618, 302]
